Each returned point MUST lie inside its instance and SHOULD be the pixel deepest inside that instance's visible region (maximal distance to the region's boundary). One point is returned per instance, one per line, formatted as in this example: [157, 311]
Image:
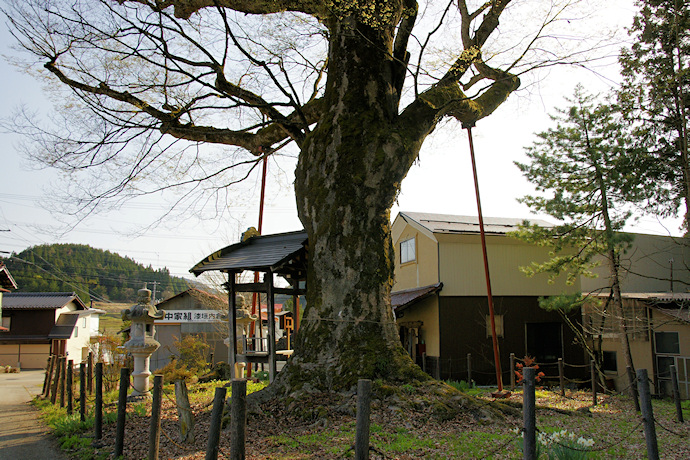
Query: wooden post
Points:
[212, 360]
[155, 427]
[593, 375]
[98, 409]
[184, 412]
[232, 324]
[647, 415]
[121, 412]
[362, 428]
[89, 381]
[512, 372]
[46, 378]
[270, 301]
[469, 369]
[424, 362]
[633, 388]
[70, 386]
[238, 419]
[56, 380]
[529, 440]
[216, 419]
[63, 377]
[82, 392]
[676, 394]
[561, 376]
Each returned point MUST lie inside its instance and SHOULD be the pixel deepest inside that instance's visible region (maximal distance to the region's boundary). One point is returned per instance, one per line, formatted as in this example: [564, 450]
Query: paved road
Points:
[22, 434]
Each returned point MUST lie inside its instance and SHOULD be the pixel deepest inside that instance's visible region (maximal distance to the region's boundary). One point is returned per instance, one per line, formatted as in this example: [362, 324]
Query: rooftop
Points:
[40, 300]
[448, 223]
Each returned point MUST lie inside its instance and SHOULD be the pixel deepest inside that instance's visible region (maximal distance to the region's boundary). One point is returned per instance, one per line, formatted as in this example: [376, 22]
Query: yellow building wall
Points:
[649, 259]
[424, 270]
[427, 312]
[462, 265]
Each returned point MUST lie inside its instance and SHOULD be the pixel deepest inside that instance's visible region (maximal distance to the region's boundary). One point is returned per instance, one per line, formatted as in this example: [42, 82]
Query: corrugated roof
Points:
[448, 223]
[405, 298]
[40, 300]
[63, 327]
[260, 253]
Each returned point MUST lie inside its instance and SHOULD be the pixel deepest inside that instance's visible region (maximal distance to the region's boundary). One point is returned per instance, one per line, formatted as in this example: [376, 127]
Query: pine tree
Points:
[654, 95]
[588, 169]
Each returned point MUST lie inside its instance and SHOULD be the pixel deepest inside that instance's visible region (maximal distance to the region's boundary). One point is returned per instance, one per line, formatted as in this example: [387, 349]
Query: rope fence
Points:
[55, 374]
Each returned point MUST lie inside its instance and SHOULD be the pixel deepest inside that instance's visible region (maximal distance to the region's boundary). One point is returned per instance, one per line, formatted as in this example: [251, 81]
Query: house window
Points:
[83, 322]
[667, 343]
[498, 322]
[407, 251]
[6, 321]
[609, 361]
[76, 331]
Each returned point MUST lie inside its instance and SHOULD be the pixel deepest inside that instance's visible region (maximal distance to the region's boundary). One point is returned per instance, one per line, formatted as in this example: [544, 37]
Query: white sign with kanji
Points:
[191, 316]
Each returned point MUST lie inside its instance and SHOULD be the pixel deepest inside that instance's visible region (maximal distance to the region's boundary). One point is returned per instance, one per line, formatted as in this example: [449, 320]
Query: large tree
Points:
[655, 93]
[155, 80]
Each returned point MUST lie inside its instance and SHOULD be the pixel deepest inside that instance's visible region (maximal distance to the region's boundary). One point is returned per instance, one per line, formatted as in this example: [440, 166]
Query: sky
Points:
[440, 181]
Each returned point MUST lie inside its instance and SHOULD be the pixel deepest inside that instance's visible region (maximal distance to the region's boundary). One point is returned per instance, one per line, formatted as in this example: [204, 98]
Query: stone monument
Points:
[141, 343]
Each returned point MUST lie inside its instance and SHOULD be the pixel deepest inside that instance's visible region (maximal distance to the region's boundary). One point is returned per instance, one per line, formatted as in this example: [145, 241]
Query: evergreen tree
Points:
[588, 169]
[654, 92]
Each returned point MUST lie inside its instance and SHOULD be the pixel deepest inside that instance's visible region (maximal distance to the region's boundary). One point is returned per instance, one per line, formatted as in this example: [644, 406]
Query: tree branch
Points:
[185, 8]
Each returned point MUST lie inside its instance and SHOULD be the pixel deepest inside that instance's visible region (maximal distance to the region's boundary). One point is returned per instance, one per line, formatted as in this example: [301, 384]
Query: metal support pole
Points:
[494, 338]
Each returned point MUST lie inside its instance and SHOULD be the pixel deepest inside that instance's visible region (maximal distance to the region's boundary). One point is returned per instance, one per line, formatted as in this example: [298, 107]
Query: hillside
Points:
[92, 273]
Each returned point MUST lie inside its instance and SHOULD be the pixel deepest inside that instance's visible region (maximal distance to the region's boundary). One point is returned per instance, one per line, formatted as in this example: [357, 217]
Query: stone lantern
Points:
[141, 343]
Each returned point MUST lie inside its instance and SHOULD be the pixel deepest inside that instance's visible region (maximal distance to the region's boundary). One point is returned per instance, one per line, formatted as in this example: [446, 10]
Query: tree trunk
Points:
[348, 175]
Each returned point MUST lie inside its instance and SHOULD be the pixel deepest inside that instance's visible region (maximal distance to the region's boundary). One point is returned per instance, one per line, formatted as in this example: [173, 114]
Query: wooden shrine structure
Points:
[282, 254]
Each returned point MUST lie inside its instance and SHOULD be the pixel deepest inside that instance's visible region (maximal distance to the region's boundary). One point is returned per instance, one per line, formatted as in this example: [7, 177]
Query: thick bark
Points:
[347, 177]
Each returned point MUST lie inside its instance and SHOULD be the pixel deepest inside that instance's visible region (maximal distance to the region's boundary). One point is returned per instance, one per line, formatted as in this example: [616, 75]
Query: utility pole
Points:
[154, 291]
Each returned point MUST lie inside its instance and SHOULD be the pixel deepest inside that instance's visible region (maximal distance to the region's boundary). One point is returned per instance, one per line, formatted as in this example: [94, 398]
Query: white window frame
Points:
[407, 254]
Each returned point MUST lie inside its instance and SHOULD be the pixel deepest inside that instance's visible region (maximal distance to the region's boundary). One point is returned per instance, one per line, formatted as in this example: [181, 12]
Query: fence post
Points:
[52, 385]
[155, 427]
[362, 428]
[561, 376]
[70, 385]
[184, 412]
[469, 369]
[121, 412]
[647, 414]
[632, 381]
[593, 376]
[676, 394]
[89, 381]
[98, 414]
[238, 419]
[214, 428]
[512, 371]
[46, 379]
[82, 392]
[424, 362]
[529, 421]
[63, 377]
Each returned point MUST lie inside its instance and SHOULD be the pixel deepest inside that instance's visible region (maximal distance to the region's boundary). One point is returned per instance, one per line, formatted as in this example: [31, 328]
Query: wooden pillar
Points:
[270, 301]
[232, 322]
[295, 302]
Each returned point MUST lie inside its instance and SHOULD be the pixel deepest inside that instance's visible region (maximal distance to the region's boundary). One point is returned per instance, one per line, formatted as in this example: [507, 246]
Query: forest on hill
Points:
[94, 274]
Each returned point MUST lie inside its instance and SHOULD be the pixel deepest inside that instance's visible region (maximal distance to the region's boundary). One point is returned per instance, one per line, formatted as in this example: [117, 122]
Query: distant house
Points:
[7, 283]
[191, 312]
[440, 299]
[41, 323]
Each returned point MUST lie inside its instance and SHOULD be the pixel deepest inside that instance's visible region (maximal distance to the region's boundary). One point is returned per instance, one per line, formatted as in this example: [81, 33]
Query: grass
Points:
[612, 425]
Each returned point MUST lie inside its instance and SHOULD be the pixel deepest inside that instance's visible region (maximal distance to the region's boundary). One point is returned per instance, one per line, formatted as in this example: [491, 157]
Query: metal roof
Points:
[63, 327]
[448, 223]
[259, 253]
[40, 300]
